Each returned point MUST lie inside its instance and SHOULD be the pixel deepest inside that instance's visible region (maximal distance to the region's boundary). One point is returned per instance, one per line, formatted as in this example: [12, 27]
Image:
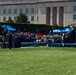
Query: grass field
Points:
[38, 61]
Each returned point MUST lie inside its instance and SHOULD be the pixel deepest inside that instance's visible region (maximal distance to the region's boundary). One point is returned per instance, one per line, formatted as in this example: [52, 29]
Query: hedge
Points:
[42, 28]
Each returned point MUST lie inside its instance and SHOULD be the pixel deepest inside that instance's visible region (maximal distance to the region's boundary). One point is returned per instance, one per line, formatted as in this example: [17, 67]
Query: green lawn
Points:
[38, 61]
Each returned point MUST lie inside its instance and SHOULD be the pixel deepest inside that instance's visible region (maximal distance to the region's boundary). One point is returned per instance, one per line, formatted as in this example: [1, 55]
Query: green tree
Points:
[10, 21]
[55, 26]
[22, 18]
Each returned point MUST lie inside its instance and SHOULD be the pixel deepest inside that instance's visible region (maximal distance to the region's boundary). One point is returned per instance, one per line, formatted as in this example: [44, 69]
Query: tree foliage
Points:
[10, 21]
[55, 27]
[22, 18]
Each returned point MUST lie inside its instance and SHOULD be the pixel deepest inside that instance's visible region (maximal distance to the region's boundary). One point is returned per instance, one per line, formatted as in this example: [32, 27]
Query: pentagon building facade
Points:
[60, 12]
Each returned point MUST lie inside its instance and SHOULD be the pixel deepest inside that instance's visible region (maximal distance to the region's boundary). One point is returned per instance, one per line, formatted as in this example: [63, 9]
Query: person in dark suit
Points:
[72, 36]
[10, 40]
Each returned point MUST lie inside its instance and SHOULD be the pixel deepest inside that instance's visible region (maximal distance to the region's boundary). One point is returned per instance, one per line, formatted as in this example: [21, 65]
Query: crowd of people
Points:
[13, 39]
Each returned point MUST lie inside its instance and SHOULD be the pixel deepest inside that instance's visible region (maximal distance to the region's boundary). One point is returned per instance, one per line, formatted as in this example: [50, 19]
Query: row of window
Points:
[32, 18]
[4, 18]
[15, 11]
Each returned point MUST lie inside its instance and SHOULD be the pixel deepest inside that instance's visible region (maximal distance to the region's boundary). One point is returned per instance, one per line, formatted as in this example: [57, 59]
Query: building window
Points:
[4, 18]
[9, 18]
[74, 8]
[4, 11]
[15, 18]
[32, 10]
[37, 18]
[21, 11]
[9, 11]
[0, 18]
[74, 17]
[37, 10]
[15, 11]
[0, 11]
[26, 10]
[32, 18]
